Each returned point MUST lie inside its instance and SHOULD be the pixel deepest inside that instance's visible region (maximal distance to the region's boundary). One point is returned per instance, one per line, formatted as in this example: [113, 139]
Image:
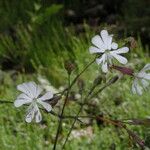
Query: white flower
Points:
[30, 95]
[140, 82]
[103, 45]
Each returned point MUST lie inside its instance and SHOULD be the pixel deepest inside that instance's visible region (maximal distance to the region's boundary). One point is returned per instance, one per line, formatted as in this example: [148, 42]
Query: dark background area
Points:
[129, 15]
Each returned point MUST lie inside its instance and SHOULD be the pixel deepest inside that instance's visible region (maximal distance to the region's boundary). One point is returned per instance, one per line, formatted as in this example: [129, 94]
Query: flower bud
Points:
[123, 70]
[113, 80]
[69, 66]
[54, 100]
[97, 80]
[131, 42]
[136, 139]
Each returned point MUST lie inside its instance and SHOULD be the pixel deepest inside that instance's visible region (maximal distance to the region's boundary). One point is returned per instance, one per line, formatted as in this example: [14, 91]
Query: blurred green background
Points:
[37, 36]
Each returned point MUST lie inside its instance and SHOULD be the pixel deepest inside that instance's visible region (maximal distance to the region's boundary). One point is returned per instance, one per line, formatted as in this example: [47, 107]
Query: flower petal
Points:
[32, 88]
[47, 106]
[144, 83]
[136, 88]
[146, 67]
[24, 96]
[139, 89]
[20, 102]
[100, 60]
[107, 39]
[38, 116]
[114, 45]
[147, 76]
[143, 75]
[105, 67]
[38, 91]
[25, 88]
[35, 89]
[46, 96]
[120, 58]
[133, 88]
[104, 35]
[93, 49]
[121, 50]
[30, 114]
[97, 41]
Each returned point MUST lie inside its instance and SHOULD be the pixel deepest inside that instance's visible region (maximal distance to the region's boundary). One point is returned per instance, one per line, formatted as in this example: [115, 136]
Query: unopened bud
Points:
[113, 80]
[136, 138]
[54, 100]
[97, 81]
[69, 66]
[132, 42]
[124, 70]
[145, 122]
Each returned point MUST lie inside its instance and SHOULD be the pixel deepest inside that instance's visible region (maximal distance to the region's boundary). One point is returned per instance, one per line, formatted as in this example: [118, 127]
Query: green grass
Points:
[16, 134]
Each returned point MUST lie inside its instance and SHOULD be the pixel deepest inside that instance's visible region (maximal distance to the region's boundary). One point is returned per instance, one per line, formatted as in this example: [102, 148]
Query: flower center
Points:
[34, 100]
[107, 51]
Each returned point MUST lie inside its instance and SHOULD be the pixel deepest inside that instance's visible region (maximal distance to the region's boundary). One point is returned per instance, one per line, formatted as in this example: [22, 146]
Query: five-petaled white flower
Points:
[140, 82]
[103, 45]
[30, 95]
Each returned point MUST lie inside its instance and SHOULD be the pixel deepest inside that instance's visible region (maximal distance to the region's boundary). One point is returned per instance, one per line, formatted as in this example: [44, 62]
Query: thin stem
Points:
[118, 123]
[76, 78]
[68, 91]
[76, 117]
[3, 102]
[110, 82]
[61, 115]
[100, 90]
[90, 92]
[66, 117]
